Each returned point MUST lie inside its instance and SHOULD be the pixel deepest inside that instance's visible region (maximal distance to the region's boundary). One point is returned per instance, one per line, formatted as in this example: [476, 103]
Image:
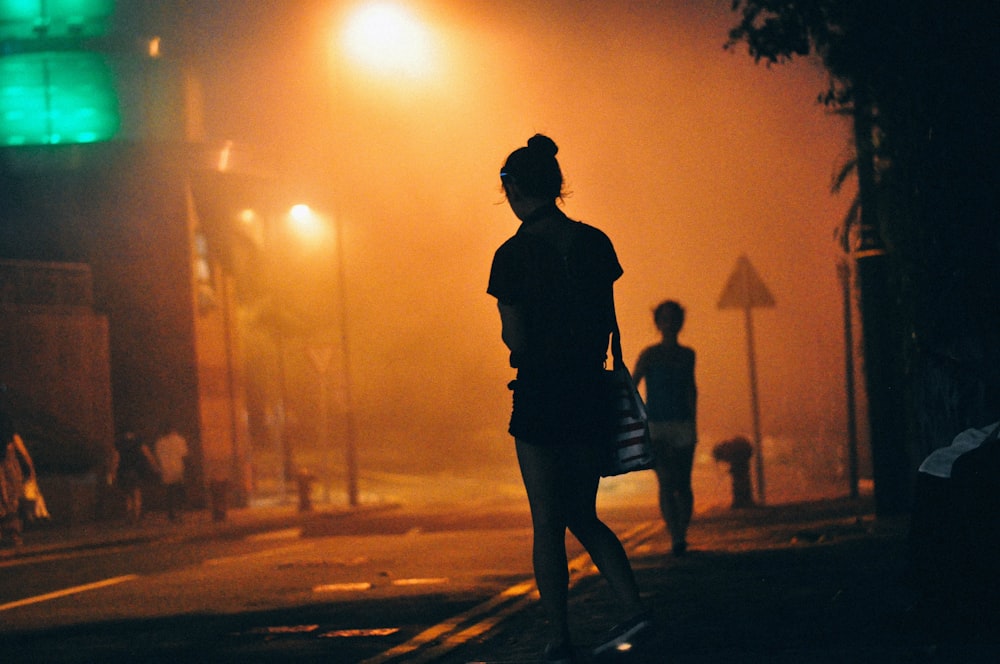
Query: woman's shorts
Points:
[563, 410]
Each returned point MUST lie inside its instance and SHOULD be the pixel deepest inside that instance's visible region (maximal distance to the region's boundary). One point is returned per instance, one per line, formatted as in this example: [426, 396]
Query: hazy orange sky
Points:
[687, 155]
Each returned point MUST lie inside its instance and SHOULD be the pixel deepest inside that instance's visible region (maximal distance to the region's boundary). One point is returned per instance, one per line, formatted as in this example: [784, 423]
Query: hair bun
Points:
[543, 144]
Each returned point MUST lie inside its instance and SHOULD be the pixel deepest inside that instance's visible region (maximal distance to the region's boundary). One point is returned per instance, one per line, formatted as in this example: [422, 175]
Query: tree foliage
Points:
[919, 80]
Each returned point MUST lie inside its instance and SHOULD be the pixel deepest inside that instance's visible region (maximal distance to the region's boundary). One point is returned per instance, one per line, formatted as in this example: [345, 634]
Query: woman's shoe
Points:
[624, 636]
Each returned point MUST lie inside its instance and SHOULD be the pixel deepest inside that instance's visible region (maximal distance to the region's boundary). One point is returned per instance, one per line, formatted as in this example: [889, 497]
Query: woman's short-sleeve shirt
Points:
[565, 301]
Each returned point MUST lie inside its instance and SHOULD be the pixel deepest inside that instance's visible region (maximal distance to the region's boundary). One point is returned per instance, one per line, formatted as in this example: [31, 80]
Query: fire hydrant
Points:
[304, 481]
[737, 452]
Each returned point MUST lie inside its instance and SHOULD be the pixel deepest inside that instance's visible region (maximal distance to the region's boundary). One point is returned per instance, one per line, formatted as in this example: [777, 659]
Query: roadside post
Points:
[745, 290]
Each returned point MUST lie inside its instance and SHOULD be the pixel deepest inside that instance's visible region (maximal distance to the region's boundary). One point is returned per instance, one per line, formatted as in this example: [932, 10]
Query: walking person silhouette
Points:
[672, 403]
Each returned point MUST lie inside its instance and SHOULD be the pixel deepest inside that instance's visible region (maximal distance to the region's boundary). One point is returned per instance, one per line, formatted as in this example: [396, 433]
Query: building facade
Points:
[100, 151]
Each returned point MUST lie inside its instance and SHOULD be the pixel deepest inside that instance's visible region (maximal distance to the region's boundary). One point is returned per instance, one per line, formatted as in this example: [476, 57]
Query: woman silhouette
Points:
[554, 283]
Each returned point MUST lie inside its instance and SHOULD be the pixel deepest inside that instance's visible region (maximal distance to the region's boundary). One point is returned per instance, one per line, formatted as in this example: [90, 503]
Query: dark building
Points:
[101, 154]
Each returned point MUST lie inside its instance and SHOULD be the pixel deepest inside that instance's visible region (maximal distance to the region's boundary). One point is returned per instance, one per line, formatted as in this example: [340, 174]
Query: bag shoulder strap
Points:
[616, 337]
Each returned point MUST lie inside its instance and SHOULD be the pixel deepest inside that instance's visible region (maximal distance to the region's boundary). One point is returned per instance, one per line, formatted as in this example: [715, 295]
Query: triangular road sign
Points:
[745, 289]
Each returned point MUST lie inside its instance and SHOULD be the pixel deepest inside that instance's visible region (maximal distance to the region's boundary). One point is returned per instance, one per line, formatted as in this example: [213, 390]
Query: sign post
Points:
[745, 290]
[320, 356]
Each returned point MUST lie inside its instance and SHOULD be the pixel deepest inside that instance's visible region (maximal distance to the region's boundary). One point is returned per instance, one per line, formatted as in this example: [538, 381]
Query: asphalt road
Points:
[365, 588]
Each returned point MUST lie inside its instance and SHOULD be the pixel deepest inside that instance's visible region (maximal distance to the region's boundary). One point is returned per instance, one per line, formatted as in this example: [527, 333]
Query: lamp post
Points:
[308, 224]
[263, 229]
[278, 235]
[350, 435]
[388, 40]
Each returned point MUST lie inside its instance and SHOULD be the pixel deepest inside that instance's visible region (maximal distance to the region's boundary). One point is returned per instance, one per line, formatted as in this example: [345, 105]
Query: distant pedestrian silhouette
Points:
[137, 469]
[171, 450]
[554, 283]
[672, 402]
[16, 465]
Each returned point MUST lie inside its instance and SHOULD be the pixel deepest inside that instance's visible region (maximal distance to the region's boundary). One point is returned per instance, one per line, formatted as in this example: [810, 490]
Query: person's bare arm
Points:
[512, 327]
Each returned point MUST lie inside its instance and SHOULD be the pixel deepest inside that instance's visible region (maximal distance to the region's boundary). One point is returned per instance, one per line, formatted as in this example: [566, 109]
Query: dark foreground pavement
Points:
[802, 583]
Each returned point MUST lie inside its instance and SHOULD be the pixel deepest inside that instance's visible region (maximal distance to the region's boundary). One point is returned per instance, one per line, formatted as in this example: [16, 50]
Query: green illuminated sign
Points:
[55, 98]
[27, 19]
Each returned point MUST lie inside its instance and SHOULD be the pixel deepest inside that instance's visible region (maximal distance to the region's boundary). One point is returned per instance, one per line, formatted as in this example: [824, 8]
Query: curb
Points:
[65, 540]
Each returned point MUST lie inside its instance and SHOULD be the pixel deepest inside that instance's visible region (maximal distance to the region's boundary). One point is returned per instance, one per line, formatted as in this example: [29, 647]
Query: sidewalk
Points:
[800, 583]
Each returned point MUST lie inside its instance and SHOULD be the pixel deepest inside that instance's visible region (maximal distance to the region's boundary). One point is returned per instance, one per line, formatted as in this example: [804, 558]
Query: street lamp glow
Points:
[388, 39]
[252, 225]
[306, 223]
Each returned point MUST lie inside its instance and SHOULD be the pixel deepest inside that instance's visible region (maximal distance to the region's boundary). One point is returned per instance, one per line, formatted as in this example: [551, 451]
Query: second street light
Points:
[350, 452]
[308, 224]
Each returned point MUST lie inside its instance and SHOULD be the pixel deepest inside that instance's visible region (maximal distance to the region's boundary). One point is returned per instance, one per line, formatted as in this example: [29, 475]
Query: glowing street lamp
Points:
[306, 223]
[388, 39]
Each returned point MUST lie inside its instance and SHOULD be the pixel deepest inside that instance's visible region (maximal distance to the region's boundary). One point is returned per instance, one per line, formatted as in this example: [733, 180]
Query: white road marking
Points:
[343, 587]
[68, 591]
[360, 586]
[359, 633]
[419, 582]
[284, 629]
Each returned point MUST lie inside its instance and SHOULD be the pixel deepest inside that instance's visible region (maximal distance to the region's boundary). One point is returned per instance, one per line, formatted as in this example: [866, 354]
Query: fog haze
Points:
[686, 154]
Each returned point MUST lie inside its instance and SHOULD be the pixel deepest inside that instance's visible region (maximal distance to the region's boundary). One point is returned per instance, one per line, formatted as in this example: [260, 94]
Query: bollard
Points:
[737, 452]
[219, 495]
[304, 480]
